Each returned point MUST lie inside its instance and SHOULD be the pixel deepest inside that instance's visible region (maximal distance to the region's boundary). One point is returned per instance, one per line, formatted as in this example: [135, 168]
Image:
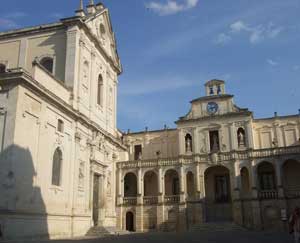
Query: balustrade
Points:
[150, 200]
[268, 194]
[130, 201]
[172, 199]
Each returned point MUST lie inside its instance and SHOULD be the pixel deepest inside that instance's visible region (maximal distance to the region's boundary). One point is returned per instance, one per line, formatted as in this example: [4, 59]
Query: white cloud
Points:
[272, 62]
[8, 20]
[222, 39]
[255, 34]
[171, 6]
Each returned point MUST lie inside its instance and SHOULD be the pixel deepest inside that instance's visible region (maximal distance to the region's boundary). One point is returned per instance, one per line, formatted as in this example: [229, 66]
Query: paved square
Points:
[189, 237]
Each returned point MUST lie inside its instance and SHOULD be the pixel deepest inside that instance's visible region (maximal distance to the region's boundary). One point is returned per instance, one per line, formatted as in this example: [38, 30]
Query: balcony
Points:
[174, 199]
[268, 194]
[210, 158]
[150, 200]
[130, 201]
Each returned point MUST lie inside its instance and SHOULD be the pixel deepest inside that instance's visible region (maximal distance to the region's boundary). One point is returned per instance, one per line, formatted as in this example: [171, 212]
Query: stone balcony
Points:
[213, 158]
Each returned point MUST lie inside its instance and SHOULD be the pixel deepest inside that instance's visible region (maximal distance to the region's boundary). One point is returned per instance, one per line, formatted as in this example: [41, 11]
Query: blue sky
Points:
[169, 49]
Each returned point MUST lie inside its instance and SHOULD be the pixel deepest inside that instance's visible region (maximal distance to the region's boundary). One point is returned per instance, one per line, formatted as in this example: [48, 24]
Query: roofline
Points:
[64, 23]
[231, 114]
[213, 97]
[276, 117]
[151, 131]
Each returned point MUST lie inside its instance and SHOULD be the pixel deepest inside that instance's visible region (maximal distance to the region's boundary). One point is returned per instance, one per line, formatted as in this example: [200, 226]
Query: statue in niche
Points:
[215, 146]
[188, 143]
[108, 191]
[241, 137]
[81, 175]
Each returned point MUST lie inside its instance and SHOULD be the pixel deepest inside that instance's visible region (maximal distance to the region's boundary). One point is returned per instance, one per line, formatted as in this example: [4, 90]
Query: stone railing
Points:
[129, 201]
[268, 194]
[210, 158]
[292, 192]
[150, 200]
[172, 199]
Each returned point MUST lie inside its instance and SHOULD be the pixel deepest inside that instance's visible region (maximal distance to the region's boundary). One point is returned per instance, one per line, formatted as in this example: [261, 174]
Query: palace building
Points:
[219, 165]
[65, 168]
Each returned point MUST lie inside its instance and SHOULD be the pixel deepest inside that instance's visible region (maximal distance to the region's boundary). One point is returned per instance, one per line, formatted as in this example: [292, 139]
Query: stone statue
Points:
[215, 146]
[188, 144]
[241, 139]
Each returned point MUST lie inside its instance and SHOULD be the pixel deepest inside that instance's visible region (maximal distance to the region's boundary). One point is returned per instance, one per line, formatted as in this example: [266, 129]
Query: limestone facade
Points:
[219, 164]
[59, 141]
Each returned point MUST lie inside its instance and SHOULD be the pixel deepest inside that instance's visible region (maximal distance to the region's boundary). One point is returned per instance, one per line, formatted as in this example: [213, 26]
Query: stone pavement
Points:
[188, 237]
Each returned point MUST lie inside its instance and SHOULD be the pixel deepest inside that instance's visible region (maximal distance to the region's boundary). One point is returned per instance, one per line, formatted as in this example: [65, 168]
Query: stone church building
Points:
[65, 167]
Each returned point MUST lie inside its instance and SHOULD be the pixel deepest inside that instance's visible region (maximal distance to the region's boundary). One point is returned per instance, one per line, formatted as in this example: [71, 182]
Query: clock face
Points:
[212, 107]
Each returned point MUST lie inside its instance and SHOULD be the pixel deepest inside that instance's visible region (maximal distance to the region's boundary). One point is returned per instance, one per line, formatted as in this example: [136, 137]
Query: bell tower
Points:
[215, 87]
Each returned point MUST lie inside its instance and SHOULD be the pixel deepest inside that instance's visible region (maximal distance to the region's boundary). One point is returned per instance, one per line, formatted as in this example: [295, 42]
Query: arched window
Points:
[100, 91]
[2, 68]
[241, 137]
[60, 125]
[188, 143]
[47, 63]
[56, 167]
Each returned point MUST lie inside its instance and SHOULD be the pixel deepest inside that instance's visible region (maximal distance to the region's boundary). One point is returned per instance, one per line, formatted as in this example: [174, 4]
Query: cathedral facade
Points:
[65, 167]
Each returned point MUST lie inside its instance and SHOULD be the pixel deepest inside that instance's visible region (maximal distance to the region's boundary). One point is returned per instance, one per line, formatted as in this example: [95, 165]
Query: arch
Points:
[2, 68]
[172, 186]
[130, 221]
[245, 182]
[188, 143]
[130, 185]
[241, 137]
[217, 184]
[190, 184]
[47, 63]
[290, 178]
[266, 176]
[100, 90]
[150, 184]
[57, 167]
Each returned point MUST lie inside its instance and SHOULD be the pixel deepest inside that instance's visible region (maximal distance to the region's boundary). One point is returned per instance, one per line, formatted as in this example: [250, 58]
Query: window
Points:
[267, 181]
[211, 90]
[214, 141]
[137, 152]
[219, 89]
[188, 143]
[47, 63]
[2, 68]
[60, 125]
[56, 167]
[100, 91]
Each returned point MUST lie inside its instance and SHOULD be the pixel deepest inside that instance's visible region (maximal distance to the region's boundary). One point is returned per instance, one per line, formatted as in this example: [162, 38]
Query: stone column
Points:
[182, 184]
[120, 187]
[278, 171]
[249, 135]
[233, 137]
[161, 196]
[181, 142]
[140, 187]
[237, 203]
[198, 186]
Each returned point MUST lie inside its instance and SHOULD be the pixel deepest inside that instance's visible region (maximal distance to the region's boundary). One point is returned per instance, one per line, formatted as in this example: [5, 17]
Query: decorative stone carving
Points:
[81, 176]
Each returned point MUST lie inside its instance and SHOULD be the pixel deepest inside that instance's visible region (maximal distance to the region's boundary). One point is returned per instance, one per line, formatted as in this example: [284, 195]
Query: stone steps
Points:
[100, 231]
[216, 227]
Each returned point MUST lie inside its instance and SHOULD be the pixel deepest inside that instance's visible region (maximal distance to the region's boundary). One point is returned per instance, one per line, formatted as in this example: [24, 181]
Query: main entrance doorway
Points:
[217, 194]
[96, 198]
[129, 221]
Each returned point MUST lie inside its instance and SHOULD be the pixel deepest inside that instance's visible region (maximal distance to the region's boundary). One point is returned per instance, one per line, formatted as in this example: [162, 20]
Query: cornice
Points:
[21, 77]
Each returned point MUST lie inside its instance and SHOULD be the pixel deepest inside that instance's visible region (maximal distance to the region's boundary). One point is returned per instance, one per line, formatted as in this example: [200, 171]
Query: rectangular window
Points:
[267, 181]
[137, 152]
[214, 141]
